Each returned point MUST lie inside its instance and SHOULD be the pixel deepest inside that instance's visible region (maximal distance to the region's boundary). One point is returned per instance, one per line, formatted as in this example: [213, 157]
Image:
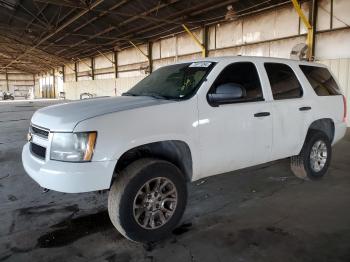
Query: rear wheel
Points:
[314, 158]
[147, 200]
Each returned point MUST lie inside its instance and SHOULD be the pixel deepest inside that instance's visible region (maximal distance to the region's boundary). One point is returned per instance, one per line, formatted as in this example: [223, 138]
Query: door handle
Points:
[305, 108]
[261, 114]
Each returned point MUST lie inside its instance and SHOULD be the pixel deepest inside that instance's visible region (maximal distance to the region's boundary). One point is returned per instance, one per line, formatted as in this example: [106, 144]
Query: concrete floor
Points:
[257, 214]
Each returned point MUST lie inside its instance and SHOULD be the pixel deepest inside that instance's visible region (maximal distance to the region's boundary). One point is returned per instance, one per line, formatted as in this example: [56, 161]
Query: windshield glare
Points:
[178, 81]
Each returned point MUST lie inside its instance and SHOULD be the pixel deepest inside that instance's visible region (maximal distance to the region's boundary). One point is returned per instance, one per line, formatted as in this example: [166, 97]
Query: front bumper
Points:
[68, 177]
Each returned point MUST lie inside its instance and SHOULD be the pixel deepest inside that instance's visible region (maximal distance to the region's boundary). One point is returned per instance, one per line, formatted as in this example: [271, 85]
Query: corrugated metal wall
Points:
[100, 87]
[20, 84]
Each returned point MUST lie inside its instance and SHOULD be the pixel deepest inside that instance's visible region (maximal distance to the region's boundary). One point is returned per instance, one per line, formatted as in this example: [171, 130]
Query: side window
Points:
[283, 81]
[321, 80]
[241, 76]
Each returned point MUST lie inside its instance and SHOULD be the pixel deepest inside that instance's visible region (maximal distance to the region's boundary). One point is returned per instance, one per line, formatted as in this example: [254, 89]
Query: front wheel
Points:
[314, 159]
[147, 200]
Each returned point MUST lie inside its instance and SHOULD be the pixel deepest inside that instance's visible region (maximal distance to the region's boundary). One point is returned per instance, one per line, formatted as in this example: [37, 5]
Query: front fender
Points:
[121, 131]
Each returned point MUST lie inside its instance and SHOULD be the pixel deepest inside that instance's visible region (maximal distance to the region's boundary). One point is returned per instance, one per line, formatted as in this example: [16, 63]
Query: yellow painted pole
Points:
[195, 39]
[309, 40]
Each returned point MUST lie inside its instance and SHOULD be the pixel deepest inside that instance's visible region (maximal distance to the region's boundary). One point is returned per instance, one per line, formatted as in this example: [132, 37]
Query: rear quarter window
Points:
[321, 80]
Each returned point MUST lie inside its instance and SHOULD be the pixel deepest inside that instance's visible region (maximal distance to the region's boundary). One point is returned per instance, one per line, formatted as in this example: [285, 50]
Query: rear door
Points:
[291, 110]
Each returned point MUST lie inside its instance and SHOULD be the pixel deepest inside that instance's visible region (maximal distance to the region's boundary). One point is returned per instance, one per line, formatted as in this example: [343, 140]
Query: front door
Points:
[237, 134]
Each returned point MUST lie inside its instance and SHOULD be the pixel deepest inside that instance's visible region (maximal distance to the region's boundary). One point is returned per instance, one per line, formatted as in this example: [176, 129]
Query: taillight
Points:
[345, 109]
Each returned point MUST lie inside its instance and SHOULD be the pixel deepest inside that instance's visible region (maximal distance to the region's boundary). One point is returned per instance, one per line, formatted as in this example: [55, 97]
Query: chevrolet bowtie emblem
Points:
[29, 137]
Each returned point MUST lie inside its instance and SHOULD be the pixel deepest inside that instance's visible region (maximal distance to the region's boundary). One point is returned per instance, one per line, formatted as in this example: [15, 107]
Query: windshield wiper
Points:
[156, 96]
[153, 95]
[128, 94]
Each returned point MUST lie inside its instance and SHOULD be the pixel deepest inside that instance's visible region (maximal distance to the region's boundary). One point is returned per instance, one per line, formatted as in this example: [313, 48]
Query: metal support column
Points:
[310, 29]
[313, 22]
[76, 71]
[331, 19]
[115, 54]
[63, 74]
[7, 80]
[150, 60]
[53, 84]
[205, 40]
[34, 87]
[92, 68]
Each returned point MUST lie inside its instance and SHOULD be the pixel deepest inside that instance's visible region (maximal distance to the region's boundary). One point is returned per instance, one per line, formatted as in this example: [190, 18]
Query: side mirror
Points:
[227, 93]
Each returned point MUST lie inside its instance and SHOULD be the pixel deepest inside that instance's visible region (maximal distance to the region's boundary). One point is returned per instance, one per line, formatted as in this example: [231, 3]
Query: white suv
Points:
[184, 122]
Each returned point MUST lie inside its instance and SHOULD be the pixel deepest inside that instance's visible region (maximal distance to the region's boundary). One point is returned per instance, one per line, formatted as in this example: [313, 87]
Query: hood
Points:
[64, 117]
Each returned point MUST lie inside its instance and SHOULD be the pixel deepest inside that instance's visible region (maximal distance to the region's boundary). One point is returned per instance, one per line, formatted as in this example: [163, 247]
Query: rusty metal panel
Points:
[259, 27]
[186, 45]
[102, 61]
[232, 51]
[132, 55]
[168, 47]
[286, 22]
[156, 50]
[163, 62]
[69, 69]
[323, 15]
[84, 64]
[229, 34]
[333, 44]
[212, 37]
[341, 17]
[282, 48]
[262, 49]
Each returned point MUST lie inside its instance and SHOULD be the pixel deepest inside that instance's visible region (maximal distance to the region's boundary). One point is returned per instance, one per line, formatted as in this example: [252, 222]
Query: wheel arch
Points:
[175, 151]
[325, 125]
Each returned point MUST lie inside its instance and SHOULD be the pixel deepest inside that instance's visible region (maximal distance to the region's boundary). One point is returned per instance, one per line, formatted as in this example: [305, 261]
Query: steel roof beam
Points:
[176, 17]
[131, 19]
[60, 28]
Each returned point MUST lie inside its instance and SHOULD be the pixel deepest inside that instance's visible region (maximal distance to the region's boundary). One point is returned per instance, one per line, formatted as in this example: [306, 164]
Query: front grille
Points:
[40, 131]
[37, 150]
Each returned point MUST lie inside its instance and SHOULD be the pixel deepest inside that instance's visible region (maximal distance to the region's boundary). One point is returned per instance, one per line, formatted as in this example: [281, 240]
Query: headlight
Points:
[73, 147]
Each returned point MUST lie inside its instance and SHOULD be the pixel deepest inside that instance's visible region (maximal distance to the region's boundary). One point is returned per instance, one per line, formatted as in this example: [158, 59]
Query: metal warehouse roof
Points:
[36, 35]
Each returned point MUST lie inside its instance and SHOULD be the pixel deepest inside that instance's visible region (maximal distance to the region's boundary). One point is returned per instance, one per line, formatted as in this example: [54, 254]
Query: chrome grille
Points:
[39, 131]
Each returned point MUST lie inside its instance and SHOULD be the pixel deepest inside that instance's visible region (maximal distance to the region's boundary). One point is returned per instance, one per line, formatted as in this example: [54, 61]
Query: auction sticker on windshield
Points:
[200, 64]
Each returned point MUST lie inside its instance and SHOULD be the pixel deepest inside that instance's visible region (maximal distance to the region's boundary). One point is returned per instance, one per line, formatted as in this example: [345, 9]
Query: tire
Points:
[131, 182]
[301, 164]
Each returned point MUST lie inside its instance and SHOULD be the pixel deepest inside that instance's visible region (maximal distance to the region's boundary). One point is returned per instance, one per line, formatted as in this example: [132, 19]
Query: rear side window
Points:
[321, 80]
[283, 81]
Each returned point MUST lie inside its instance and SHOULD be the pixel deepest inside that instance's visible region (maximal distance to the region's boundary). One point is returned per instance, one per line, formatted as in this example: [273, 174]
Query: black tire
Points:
[301, 164]
[124, 190]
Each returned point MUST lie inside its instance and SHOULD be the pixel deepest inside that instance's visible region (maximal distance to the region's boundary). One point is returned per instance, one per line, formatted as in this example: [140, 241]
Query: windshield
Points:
[178, 81]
